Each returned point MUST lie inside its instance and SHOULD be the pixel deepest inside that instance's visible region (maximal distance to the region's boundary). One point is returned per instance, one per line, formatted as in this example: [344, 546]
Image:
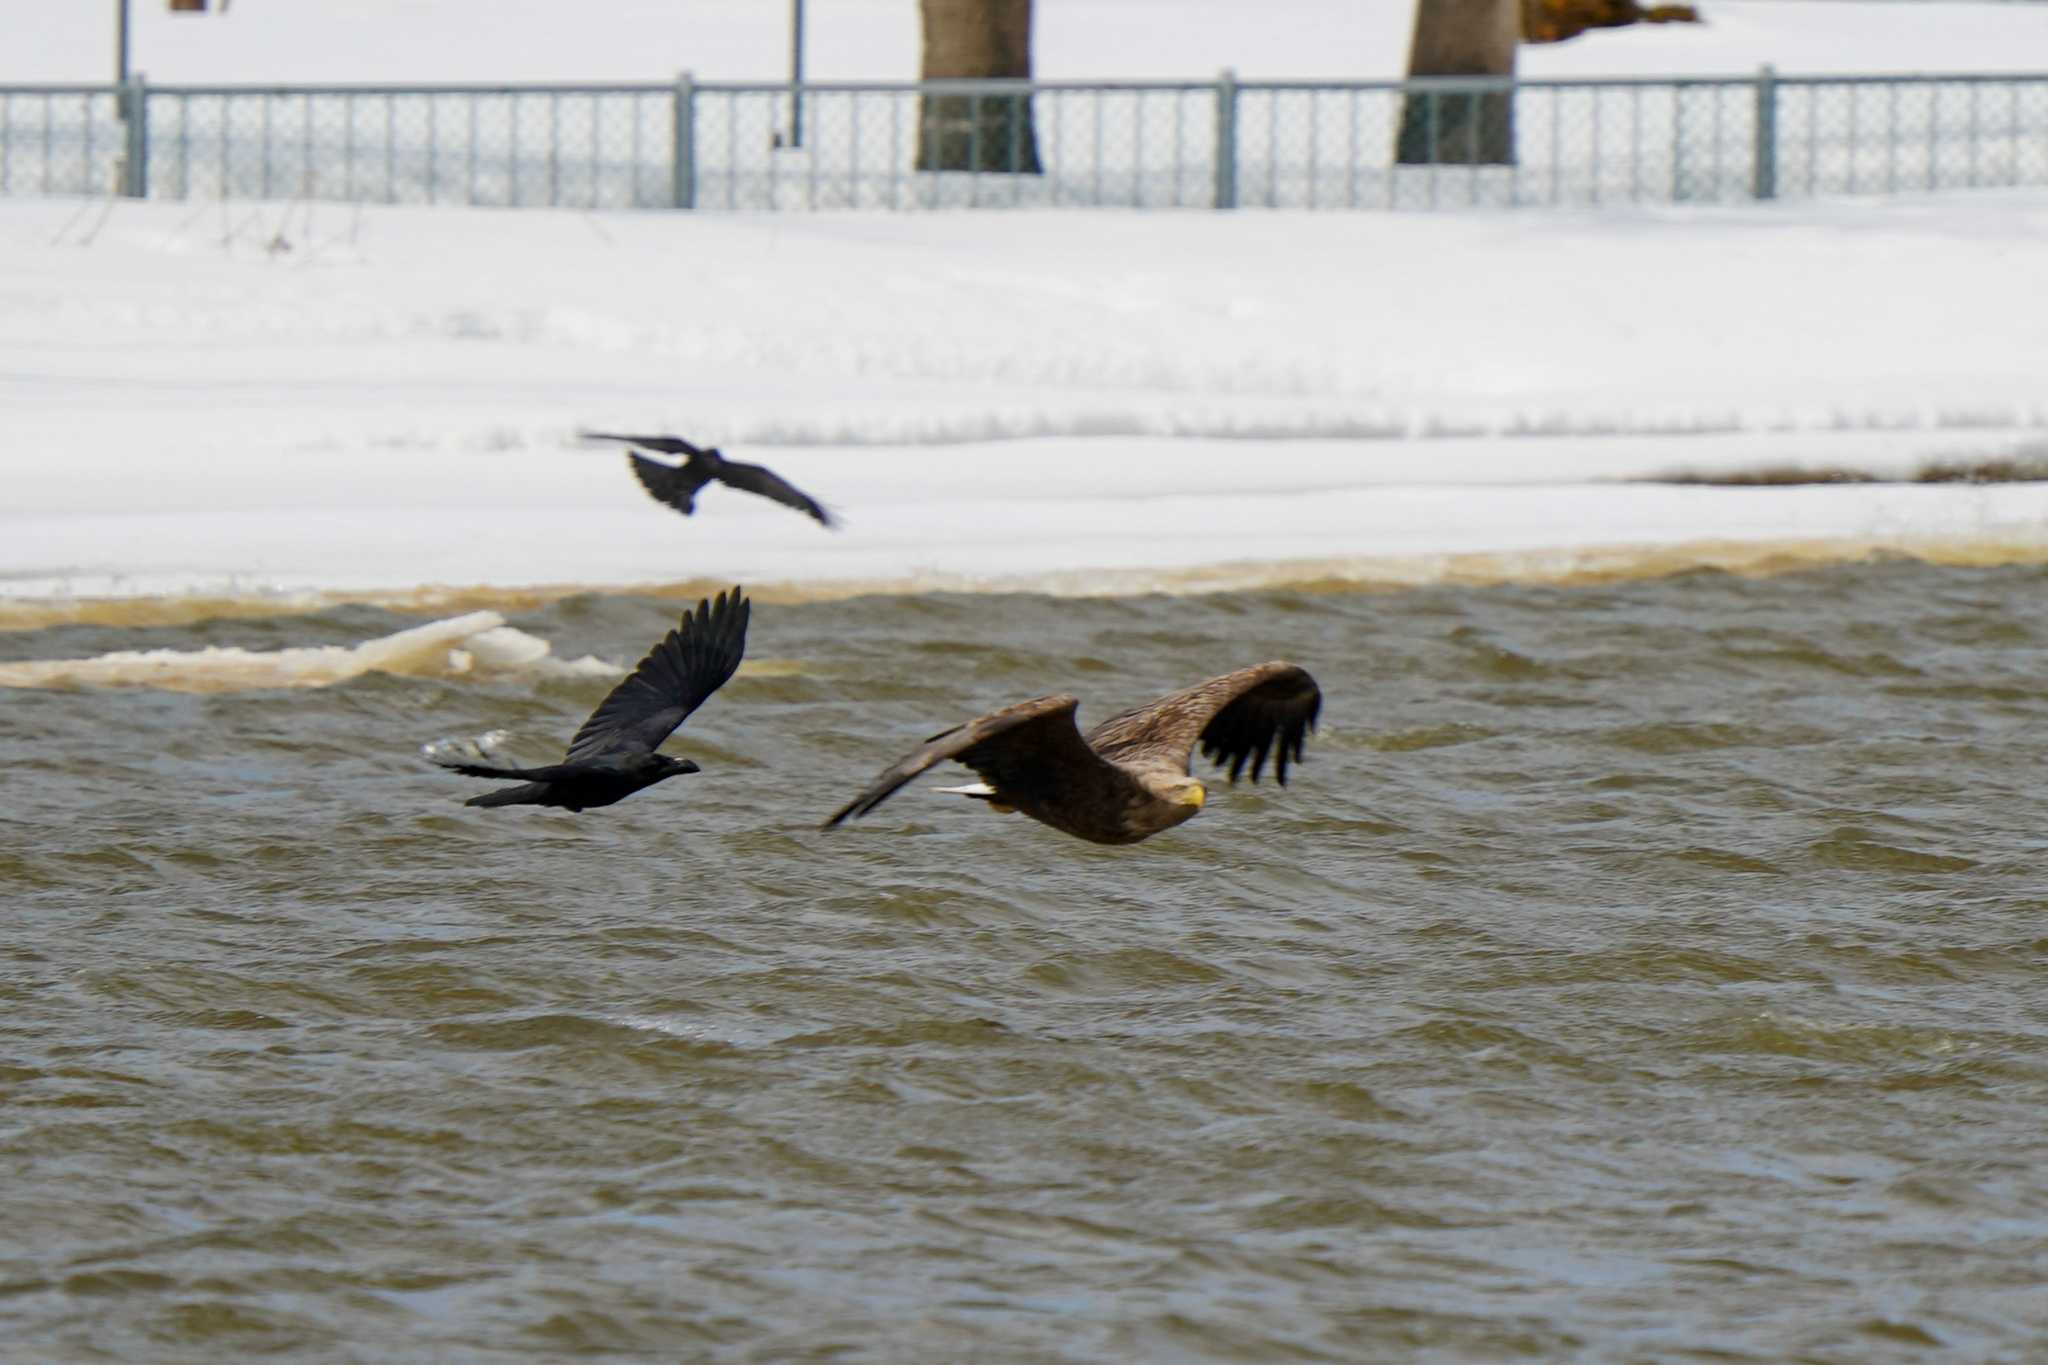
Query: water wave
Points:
[476, 643]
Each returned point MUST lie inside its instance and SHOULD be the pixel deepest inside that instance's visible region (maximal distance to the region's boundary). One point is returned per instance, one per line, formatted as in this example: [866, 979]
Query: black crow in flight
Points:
[677, 485]
[613, 755]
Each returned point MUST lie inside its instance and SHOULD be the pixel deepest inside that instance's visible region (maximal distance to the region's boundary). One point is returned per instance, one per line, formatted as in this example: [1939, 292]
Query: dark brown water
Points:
[1655, 971]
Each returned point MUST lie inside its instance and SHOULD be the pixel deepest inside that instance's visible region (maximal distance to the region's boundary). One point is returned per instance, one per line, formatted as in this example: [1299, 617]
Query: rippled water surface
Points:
[1638, 972]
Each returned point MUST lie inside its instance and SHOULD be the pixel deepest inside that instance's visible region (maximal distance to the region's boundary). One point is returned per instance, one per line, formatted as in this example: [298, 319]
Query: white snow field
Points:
[289, 402]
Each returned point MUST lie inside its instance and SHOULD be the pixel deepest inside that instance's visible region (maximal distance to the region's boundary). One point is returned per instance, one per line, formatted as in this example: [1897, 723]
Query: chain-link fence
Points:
[62, 139]
[1222, 144]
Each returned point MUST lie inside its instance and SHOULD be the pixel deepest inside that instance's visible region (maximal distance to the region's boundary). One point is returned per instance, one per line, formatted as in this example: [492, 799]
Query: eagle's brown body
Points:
[1127, 779]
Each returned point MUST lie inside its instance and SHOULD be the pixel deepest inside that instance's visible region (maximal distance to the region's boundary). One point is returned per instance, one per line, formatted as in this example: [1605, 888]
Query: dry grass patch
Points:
[2002, 469]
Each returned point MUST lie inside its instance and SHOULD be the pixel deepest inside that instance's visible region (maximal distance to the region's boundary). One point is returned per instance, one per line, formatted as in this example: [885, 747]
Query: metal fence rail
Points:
[1137, 144]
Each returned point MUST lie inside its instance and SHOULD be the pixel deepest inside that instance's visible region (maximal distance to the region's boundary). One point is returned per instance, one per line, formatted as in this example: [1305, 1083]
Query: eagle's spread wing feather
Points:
[1030, 750]
[673, 484]
[753, 478]
[1238, 718]
[689, 664]
[667, 445]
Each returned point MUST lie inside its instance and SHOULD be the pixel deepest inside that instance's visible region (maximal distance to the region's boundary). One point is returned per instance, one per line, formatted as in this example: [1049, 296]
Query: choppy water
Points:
[1652, 971]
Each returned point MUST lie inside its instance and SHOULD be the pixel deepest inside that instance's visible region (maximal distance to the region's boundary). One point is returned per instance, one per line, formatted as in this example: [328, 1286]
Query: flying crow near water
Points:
[678, 485]
[1128, 778]
[613, 755]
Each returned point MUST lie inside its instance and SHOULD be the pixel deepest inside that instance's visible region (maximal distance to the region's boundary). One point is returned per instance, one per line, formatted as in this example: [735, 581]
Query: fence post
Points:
[1678, 188]
[134, 102]
[1764, 165]
[1226, 139]
[683, 167]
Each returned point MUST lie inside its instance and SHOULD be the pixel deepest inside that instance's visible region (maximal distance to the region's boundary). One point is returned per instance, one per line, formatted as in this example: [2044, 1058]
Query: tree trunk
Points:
[967, 39]
[1465, 128]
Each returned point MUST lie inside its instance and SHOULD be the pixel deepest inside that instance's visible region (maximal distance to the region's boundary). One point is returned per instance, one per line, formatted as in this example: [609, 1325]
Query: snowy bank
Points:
[255, 399]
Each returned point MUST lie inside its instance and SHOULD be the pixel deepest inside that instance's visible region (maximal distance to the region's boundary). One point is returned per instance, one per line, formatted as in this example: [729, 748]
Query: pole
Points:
[1226, 140]
[124, 172]
[796, 73]
[682, 184]
[133, 102]
[1763, 174]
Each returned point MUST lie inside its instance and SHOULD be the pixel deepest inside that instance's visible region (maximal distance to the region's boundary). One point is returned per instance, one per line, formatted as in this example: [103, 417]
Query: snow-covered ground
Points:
[297, 398]
[314, 399]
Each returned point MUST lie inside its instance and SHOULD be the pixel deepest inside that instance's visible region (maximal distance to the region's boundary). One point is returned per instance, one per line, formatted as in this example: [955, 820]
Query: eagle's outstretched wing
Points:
[1237, 718]
[689, 664]
[754, 478]
[1030, 750]
[673, 484]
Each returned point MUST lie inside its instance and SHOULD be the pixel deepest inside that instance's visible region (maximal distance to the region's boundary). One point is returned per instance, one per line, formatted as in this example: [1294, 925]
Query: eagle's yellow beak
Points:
[1195, 796]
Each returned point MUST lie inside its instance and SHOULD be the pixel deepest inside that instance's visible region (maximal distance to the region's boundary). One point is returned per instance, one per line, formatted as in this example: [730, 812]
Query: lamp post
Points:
[796, 73]
[121, 42]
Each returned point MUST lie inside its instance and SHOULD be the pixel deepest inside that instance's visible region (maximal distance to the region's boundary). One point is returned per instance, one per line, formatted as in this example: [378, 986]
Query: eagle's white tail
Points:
[981, 790]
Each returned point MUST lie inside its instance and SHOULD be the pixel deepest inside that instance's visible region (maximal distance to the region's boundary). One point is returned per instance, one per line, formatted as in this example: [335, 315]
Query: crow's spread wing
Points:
[1029, 750]
[675, 485]
[1237, 718]
[754, 478]
[691, 662]
[667, 445]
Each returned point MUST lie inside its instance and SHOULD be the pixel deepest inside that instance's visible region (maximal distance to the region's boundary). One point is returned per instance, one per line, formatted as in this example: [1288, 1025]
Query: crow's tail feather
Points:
[525, 794]
[490, 770]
